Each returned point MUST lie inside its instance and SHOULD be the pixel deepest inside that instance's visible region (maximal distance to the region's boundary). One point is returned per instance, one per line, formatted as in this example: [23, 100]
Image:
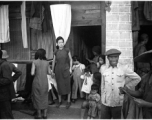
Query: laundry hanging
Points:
[4, 24]
[23, 25]
[37, 15]
[61, 18]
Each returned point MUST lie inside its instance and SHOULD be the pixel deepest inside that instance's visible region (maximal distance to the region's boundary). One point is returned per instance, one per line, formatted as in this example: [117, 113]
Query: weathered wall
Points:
[85, 13]
[15, 46]
[36, 38]
[118, 30]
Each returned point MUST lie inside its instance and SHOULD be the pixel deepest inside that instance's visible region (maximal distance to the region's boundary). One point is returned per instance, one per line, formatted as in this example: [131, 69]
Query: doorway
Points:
[147, 30]
[85, 38]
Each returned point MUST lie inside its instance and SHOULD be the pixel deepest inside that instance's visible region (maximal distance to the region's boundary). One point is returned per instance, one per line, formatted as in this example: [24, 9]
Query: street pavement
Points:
[22, 111]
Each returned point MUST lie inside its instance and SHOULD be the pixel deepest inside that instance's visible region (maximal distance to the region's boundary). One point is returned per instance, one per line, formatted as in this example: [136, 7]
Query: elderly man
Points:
[143, 96]
[113, 77]
[7, 92]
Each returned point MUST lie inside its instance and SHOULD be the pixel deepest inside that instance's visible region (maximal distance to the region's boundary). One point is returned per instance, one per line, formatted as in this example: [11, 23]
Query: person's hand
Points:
[90, 61]
[70, 71]
[140, 102]
[53, 74]
[121, 89]
[14, 100]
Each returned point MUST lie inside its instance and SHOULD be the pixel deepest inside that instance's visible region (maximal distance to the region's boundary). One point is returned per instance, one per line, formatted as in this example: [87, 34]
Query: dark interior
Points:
[147, 29]
[91, 36]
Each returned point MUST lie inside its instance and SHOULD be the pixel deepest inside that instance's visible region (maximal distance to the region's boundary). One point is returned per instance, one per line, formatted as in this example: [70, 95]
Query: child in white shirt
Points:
[88, 81]
[78, 70]
[93, 101]
[85, 104]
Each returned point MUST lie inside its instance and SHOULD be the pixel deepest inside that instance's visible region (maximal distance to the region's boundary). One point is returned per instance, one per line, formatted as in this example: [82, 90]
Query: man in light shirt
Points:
[113, 77]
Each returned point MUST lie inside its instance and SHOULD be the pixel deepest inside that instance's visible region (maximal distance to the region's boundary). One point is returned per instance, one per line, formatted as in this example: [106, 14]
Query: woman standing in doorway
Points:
[40, 68]
[96, 50]
[62, 66]
[141, 68]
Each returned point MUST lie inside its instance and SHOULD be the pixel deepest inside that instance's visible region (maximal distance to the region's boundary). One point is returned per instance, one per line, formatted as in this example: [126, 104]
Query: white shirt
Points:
[87, 83]
[112, 79]
[82, 66]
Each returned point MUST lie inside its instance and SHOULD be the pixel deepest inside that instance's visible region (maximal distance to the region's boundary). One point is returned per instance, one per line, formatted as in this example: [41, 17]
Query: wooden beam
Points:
[85, 14]
[92, 22]
[84, 5]
[21, 61]
[18, 15]
[10, 3]
[17, 8]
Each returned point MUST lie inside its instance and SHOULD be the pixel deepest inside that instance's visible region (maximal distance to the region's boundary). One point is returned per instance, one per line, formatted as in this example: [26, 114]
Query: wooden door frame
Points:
[103, 28]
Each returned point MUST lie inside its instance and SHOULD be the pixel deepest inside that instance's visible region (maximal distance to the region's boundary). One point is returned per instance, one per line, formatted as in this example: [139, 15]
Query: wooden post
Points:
[103, 27]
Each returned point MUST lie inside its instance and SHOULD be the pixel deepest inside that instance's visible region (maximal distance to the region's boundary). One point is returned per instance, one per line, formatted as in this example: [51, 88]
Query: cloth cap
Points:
[5, 55]
[112, 52]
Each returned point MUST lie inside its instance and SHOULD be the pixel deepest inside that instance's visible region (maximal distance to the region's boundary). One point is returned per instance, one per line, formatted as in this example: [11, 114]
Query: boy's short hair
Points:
[75, 58]
[94, 87]
[97, 77]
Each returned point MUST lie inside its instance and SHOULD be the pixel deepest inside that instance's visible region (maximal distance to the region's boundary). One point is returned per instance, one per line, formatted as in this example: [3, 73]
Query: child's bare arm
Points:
[98, 98]
[88, 97]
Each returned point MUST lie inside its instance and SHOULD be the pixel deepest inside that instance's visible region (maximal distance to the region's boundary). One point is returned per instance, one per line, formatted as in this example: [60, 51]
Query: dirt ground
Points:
[21, 111]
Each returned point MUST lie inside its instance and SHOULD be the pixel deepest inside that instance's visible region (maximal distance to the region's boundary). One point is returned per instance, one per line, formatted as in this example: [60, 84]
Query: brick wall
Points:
[118, 30]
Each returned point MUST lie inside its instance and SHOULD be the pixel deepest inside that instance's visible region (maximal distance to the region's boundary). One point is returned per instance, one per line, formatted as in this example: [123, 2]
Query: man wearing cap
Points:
[113, 77]
[7, 91]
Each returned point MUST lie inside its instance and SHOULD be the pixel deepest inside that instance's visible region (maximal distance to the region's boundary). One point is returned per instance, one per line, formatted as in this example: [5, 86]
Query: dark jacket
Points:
[7, 91]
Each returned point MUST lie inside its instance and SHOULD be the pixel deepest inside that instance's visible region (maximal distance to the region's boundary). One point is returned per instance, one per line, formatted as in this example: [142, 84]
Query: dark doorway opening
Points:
[85, 38]
[146, 29]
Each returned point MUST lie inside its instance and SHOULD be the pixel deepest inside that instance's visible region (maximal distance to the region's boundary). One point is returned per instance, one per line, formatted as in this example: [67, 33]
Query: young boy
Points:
[78, 69]
[93, 100]
[85, 105]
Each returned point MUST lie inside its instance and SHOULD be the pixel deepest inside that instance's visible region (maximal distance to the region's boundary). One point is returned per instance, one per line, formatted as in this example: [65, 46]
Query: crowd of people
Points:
[102, 86]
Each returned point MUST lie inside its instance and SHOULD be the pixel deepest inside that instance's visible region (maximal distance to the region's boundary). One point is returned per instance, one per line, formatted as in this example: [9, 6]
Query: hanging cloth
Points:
[148, 10]
[37, 16]
[61, 18]
[4, 24]
[23, 25]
